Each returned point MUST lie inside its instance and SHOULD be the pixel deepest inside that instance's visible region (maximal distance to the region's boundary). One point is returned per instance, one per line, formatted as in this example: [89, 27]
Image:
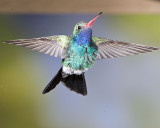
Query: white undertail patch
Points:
[70, 71]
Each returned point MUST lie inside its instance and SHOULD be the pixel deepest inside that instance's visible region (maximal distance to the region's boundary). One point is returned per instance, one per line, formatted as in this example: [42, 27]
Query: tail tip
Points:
[44, 92]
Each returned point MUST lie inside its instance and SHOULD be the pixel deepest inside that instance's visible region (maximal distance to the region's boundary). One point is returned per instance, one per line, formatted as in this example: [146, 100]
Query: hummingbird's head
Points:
[83, 29]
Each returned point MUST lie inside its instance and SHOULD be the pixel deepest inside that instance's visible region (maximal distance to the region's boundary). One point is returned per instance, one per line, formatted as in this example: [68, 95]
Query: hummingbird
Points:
[79, 53]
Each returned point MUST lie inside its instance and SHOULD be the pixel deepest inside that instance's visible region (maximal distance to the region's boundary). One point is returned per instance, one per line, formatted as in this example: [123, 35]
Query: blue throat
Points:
[83, 38]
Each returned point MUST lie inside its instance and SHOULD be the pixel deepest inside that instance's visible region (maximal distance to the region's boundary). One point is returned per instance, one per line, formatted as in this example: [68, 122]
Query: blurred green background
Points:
[122, 92]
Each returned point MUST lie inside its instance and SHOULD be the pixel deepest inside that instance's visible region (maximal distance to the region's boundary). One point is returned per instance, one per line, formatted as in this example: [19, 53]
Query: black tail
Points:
[75, 82]
[52, 84]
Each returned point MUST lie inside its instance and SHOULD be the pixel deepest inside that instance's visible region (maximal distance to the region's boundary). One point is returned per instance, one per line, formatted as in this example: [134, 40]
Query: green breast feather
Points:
[80, 58]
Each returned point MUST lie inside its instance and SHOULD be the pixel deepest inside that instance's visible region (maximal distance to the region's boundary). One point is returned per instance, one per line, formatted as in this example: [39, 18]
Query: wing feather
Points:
[52, 45]
[53, 50]
[112, 48]
[50, 49]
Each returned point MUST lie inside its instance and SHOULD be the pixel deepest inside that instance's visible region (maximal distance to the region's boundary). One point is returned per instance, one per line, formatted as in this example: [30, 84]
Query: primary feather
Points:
[113, 48]
[52, 45]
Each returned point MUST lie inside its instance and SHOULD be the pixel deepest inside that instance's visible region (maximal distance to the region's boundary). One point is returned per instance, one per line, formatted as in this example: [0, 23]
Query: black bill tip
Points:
[100, 13]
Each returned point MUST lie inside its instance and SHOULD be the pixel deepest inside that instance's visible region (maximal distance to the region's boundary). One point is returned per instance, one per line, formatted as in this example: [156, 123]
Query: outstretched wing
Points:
[112, 48]
[52, 45]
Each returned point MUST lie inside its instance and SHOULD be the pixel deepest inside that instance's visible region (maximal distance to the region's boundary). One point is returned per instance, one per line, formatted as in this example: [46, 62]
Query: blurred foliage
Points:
[137, 27]
[17, 104]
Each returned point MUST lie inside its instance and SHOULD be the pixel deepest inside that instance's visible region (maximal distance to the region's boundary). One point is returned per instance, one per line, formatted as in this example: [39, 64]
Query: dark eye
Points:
[79, 27]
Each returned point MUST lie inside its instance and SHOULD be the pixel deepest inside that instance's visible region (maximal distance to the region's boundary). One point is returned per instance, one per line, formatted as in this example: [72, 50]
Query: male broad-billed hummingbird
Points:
[78, 53]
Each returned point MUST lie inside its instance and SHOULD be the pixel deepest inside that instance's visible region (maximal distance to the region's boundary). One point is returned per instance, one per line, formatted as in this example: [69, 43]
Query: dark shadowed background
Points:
[122, 92]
